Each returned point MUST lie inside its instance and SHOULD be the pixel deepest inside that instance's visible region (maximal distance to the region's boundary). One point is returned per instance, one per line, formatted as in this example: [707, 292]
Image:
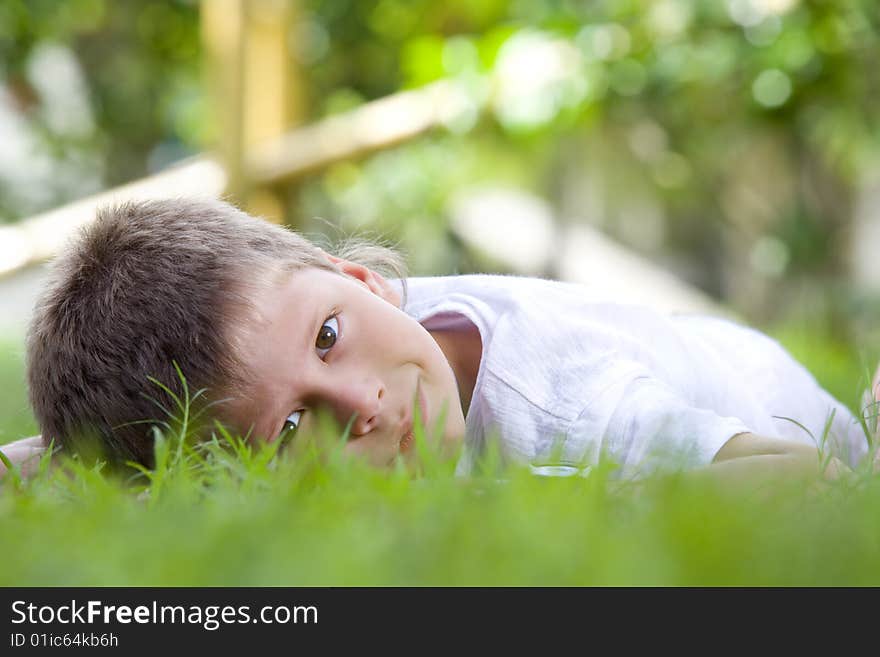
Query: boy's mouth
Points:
[408, 437]
[406, 441]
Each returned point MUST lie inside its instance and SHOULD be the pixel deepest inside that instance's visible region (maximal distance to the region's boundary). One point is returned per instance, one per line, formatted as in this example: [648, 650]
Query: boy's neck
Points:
[463, 348]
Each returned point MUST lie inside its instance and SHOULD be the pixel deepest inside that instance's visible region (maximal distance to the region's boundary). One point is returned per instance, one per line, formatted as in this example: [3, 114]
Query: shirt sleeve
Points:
[643, 425]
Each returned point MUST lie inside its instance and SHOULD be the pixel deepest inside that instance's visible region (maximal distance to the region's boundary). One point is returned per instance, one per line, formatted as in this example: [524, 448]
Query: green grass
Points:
[227, 514]
[220, 519]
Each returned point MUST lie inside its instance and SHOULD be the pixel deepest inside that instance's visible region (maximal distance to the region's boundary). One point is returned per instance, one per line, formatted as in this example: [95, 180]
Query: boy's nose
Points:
[363, 402]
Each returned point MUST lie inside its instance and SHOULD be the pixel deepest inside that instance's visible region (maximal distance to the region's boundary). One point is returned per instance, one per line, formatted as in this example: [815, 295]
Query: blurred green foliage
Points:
[102, 92]
[745, 127]
[728, 140]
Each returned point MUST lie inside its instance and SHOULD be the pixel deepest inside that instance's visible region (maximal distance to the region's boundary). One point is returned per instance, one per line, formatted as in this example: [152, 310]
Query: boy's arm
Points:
[748, 458]
[24, 453]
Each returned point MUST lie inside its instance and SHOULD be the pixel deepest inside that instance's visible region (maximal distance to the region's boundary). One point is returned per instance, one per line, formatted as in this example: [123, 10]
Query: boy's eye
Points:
[290, 424]
[327, 336]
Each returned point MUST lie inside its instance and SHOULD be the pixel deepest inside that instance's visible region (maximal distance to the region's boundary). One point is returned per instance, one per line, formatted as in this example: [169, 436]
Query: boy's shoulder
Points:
[538, 319]
[529, 301]
[508, 294]
[510, 290]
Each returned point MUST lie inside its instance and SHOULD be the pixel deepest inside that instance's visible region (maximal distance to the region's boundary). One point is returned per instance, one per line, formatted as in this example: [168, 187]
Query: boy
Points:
[275, 328]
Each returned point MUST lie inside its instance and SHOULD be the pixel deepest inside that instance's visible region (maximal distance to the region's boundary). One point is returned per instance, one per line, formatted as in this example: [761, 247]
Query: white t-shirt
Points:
[566, 378]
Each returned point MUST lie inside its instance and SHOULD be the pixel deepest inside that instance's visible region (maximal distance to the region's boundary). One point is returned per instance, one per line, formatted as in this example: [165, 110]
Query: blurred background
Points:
[732, 145]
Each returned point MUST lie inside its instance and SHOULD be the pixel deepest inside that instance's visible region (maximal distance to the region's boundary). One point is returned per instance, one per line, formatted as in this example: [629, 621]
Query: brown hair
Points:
[148, 285]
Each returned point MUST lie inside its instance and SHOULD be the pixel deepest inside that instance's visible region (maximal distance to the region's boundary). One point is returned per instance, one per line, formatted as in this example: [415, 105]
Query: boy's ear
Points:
[372, 280]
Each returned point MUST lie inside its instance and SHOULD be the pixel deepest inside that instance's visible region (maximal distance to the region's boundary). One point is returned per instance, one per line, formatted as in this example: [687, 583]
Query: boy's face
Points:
[338, 342]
